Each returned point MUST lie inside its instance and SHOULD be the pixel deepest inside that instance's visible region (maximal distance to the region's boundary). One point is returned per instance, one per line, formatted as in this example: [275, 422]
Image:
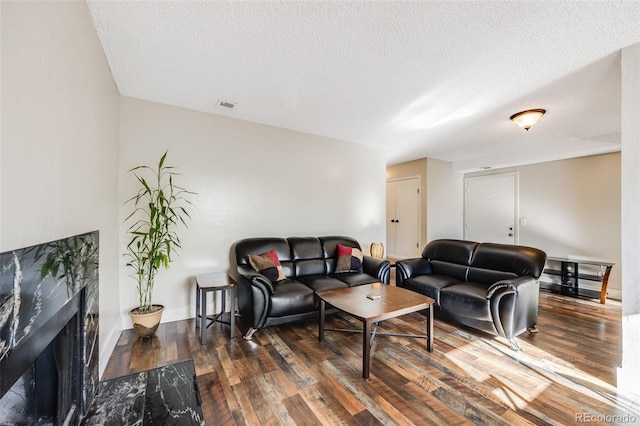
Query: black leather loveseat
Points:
[490, 287]
[309, 265]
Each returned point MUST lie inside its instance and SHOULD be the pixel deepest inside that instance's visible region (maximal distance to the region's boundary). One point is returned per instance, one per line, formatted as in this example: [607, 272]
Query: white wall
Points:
[445, 201]
[572, 208]
[59, 139]
[629, 373]
[252, 180]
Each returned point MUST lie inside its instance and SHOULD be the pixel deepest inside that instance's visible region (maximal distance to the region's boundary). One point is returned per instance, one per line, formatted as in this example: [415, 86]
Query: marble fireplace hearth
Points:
[49, 331]
[163, 396]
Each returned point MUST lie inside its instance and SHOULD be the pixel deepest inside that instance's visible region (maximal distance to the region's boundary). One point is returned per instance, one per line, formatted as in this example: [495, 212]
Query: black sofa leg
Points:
[249, 334]
[514, 345]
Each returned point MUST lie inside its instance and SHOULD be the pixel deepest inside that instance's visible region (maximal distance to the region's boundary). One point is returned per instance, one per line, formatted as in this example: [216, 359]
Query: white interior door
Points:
[391, 219]
[491, 208]
[403, 217]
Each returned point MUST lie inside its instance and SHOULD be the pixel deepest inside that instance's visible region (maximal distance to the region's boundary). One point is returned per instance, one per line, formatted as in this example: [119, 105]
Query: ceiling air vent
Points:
[225, 105]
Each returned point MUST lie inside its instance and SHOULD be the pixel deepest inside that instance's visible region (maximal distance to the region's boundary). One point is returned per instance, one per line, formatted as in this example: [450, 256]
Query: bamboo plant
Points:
[159, 208]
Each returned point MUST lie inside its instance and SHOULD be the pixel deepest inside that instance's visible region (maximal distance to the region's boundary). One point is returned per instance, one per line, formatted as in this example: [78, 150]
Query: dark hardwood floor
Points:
[564, 375]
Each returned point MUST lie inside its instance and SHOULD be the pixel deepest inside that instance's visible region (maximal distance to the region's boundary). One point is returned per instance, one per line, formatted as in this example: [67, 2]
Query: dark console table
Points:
[571, 271]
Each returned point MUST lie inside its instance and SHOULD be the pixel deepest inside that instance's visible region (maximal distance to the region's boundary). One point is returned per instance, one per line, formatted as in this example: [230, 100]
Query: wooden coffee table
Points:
[392, 302]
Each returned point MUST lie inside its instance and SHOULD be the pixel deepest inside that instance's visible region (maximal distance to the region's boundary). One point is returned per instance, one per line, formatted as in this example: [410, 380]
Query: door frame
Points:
[419, 179]
[516, 207]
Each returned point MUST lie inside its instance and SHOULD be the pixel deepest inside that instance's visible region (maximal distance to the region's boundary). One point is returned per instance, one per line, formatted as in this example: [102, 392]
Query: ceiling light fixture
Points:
[528, 118]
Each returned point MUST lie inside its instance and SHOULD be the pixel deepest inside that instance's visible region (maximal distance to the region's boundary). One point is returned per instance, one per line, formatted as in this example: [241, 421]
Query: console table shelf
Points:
[570, 276]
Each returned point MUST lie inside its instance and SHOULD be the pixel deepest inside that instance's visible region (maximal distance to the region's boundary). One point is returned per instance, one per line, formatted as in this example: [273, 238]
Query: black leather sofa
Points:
[309, 264]
[487, 286]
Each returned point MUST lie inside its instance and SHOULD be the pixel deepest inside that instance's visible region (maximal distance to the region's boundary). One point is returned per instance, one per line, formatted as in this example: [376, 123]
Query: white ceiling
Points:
[421, 79]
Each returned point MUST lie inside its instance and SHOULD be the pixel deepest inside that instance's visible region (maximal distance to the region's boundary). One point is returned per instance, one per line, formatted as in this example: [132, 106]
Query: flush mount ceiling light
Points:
[528, 118]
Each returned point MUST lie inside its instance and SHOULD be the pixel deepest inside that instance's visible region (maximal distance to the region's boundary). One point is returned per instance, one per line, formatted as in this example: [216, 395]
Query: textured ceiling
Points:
[430, 78]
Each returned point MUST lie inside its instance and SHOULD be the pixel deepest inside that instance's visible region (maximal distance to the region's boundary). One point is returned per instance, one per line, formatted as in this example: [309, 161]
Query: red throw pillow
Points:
[268, 265]
[349, 259]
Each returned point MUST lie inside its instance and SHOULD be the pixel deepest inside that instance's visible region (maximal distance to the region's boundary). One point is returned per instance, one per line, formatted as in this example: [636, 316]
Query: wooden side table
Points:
[206, 283]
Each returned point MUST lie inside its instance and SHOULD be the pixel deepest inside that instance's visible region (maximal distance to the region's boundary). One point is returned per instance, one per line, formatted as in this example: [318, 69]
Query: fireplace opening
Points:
[48, 392]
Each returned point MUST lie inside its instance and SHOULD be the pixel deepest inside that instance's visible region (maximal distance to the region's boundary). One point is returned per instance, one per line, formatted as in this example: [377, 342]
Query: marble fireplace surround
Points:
[49, 330]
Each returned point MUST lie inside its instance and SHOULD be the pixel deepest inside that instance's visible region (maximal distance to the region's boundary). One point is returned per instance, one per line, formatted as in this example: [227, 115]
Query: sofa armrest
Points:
[513, 302]
[256, 279]
[409, 268]
[510, 286]
[379, 268]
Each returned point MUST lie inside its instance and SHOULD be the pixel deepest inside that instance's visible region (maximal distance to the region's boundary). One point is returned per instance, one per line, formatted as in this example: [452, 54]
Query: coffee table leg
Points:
[321, 322]
[430, 329]
[366, 349]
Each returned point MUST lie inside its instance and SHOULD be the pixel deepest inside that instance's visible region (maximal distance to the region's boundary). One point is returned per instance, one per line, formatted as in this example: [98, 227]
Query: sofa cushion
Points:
[310, 267]
[488, 276]
[353, 279]
[429, 285]
[303, 248]
[322, 282]
[519, 260]
[330, 249]
[467, 300]
[244, 248]
[290, 297]
[268, 265]
[452, 251]
[349, 259]
[454, 270]
[308, 256]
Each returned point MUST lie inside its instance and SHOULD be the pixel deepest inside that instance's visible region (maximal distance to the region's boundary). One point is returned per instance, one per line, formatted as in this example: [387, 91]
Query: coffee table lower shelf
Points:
[391, 303]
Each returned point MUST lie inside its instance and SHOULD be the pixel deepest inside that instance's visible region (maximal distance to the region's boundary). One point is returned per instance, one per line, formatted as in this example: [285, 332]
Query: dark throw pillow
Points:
[349, 259]
[268, 265]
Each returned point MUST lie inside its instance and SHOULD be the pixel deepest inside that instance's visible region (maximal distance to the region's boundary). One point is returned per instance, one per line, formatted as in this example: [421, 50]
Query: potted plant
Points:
[159, 208]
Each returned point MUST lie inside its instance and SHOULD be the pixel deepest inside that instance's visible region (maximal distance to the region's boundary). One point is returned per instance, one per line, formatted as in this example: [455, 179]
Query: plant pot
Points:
[145, 324]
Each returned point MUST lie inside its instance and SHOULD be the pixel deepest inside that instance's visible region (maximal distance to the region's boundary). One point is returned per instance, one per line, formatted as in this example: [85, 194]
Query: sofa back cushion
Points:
[451, 251]
[450, 257]
[308, 256]
[508, 259]
[448, 269]
[488, 276]
[330, 249]
[257, 246]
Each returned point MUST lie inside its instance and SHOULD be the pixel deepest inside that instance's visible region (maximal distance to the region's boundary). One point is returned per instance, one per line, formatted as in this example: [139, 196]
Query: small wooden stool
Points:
[206, 283]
